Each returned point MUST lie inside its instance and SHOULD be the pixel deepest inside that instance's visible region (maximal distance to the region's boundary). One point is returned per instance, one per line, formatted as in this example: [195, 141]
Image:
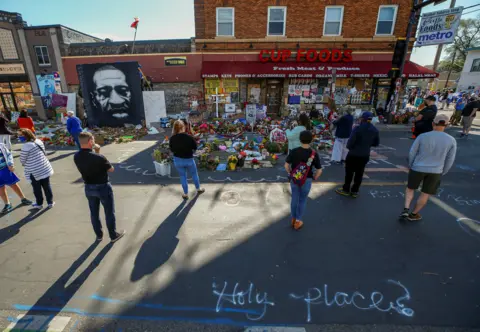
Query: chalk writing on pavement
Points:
[459, 200]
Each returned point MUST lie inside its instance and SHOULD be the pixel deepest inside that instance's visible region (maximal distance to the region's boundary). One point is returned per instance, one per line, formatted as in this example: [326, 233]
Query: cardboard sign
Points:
[229, 108]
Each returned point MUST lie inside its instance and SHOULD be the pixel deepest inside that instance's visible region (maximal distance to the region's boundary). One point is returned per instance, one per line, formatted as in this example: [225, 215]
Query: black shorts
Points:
[430, 182]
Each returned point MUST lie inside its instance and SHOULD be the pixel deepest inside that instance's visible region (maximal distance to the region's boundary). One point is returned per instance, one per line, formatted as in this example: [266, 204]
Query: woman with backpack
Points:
[37, 168]
[299, 165]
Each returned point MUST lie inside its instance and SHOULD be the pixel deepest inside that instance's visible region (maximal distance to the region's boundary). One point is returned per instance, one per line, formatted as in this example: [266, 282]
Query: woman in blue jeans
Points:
[300, 194]
[183, 146]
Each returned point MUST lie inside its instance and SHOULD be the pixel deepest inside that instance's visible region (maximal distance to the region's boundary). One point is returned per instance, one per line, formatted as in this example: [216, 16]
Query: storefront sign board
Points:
[310, 55]
[12, 69]
[175, 61]
[439, 27]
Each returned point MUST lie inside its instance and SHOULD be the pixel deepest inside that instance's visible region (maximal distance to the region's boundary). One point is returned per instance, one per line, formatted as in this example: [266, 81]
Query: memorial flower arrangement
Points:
[162, 157]
[255, 163]
[232, 162]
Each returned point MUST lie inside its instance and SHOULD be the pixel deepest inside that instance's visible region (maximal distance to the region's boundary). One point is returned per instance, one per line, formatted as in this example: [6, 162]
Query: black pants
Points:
[354, 169]
[37, 190]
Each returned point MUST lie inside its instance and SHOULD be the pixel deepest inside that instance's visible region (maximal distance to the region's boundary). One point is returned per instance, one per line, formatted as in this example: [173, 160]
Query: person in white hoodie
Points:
[37, 168]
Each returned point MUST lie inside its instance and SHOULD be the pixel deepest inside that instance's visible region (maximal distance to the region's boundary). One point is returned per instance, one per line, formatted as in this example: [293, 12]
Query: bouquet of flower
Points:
[162, 157]
[232, 162]
[274, 159]
[255, 163]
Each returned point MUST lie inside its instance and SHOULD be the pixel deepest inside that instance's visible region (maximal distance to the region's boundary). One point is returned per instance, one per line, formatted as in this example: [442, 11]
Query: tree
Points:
[468, 36]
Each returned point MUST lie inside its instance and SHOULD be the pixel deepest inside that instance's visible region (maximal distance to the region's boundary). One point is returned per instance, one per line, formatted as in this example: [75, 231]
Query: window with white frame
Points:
[476, 65]
[333, 21]
[225, 22]
[277, 18]
[386, 20]
[42, 55]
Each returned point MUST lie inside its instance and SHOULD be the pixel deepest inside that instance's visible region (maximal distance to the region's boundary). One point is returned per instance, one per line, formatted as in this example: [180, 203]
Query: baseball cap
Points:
[441, 117]
[367, 115]
[432, 98]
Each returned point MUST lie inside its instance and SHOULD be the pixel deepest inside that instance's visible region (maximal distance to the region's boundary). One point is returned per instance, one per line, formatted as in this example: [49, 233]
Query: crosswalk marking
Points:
[37, 323]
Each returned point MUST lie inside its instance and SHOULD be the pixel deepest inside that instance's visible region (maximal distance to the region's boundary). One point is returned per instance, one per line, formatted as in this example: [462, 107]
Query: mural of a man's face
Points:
[112, 92]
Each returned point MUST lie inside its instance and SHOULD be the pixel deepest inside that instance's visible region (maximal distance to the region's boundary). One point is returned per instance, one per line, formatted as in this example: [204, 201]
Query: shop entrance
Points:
[274, 96]
[7, 102]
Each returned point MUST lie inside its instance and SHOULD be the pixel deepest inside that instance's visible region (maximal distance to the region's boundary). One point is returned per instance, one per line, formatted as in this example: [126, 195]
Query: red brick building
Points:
[277, 52]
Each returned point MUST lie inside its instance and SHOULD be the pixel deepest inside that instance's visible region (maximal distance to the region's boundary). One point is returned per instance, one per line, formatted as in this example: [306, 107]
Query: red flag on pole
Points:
[135, 23]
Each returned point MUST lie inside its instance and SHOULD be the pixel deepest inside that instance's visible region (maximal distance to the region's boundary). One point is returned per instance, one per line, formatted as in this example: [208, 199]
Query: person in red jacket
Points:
[25, 122]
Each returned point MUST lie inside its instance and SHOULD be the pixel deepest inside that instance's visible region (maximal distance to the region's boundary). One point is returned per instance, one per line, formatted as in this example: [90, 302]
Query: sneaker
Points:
[26, 201]
[297, 225]
[201, 190]
[185, 196]
[119, 236]
[51, 205]
[7, 208]
[405, 213]
[414, 217]
[340, 191]
[99, 238]
[36, 206]
[293, 222]
[354, 195]
[462, 135]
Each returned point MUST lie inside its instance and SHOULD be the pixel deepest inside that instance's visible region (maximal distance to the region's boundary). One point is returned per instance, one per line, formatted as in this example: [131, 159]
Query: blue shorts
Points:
[7, 178]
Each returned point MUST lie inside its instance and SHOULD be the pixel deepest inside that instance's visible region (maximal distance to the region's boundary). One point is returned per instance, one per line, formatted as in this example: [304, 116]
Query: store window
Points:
[333, 21]
[475, 65]
[225, 21]
[42, 55]
[386, 20]
[277, 17]
[7, 45]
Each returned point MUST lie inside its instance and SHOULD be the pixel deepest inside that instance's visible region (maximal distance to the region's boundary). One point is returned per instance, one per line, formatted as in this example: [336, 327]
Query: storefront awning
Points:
[358, 69]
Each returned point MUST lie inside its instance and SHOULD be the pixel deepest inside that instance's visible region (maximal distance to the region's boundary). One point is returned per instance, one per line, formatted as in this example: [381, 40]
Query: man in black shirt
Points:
[94, 169]
[424, 120]
[468, 114]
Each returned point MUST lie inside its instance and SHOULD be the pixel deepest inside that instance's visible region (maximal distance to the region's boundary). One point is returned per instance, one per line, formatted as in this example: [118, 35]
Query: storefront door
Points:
[274, 97]
[8, 102]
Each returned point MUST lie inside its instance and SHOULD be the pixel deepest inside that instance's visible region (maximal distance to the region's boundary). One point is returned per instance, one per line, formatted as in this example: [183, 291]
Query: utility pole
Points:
[440, 47]
[450, 69]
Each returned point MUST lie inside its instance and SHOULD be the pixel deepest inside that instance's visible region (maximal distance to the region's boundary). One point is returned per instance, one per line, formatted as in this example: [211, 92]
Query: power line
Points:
[473, 11]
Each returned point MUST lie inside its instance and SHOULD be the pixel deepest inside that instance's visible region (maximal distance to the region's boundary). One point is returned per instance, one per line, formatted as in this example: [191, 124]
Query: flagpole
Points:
[134, 38]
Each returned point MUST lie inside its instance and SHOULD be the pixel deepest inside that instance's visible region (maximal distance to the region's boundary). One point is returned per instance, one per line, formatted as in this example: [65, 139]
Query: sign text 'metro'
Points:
[311, 55]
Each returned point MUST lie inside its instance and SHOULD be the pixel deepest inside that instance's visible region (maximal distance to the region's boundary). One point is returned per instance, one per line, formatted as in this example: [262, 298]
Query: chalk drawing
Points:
[248, 179]
[470, 226]
[231, 198]
[357, 300]
[459, 200]
[249, 297]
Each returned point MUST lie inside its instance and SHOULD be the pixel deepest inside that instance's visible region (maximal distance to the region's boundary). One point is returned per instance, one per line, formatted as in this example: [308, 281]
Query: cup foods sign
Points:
[439, 27]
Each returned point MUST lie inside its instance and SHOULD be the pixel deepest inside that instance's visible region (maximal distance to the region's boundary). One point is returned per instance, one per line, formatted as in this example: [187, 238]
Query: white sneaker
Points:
[36, 206]
[51, 205]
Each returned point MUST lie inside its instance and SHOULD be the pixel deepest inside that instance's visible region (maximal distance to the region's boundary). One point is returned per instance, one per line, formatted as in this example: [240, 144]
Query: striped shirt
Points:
[34, 160]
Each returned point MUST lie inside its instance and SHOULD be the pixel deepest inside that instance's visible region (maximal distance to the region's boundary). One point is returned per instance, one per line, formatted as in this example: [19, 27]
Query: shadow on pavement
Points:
[8, 232]
[57, 296]
[62, 156]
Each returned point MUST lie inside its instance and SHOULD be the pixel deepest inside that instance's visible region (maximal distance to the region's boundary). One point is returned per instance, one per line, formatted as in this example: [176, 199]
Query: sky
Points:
[159, 19]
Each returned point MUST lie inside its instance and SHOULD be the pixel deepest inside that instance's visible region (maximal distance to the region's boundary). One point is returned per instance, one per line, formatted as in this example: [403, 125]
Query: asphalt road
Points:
[227, 260]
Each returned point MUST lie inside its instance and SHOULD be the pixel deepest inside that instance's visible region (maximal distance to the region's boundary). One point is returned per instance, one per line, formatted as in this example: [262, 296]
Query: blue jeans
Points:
[299, 198]
[76, 140]
[101, 193]
[183, 165]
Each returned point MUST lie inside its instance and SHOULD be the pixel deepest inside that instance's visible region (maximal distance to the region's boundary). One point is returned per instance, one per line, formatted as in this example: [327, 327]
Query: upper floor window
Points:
[7, 45]
[225, 21]
[333, 21]
[386, 20]
[476, 65]
[42, 55]
[277, 18]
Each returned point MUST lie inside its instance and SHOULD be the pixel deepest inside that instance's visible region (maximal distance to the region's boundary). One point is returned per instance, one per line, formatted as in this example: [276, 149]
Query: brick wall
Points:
[305, 19]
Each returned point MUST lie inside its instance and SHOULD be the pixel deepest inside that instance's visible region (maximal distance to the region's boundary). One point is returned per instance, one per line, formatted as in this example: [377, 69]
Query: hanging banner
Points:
[439, 27]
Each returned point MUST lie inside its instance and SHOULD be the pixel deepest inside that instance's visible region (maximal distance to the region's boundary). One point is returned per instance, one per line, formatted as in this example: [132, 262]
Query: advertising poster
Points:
[46, 85]
[439, 27]
[112, 93]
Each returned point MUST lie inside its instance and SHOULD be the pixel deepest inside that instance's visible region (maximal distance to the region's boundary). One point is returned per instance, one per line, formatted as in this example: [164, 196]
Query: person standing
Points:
[468, 115]
[307, 156]
[8, 178]
[342, 133]
[183, 146]
[94, 169]
[74, 127]
[443, 99]
[293, 135]
[5, 131]
[431, 156]
[25, 122]
[362, 139]
[424, 120]
[459, 106]
[38, 169]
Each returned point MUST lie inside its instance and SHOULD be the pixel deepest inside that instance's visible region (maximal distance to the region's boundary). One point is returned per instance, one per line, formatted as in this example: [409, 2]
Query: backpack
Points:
[299, 175]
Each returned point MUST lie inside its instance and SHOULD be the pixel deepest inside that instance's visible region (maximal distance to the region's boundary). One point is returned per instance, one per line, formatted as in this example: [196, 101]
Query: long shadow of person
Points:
[57, 296]
[10, 231]
[156, 250]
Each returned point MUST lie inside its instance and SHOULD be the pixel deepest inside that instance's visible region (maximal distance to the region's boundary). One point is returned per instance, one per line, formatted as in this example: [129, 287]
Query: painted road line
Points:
[36, 323]
[275, 329]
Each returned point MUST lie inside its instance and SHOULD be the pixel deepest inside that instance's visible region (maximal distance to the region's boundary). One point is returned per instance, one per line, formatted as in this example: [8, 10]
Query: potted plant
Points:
[241, 159]
[232, 162]
[255, 163]
[162, 161]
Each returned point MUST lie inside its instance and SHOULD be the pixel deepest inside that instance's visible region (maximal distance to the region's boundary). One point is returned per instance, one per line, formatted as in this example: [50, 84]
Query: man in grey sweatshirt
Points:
[431, 156]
